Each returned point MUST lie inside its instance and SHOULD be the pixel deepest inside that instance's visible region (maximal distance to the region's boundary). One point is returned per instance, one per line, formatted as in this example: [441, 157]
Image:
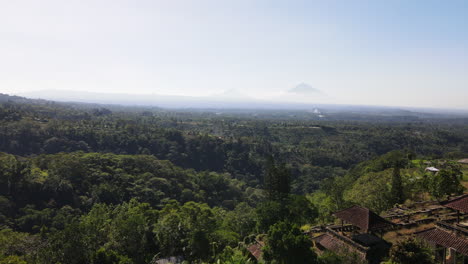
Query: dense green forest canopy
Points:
[211, 141]
[84, 183]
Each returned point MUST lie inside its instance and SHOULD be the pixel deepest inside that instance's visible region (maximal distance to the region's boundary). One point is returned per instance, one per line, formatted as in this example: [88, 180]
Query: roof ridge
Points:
[454, 199]
[452, 228]
[346, 240]
[350, 208]
[425, 230]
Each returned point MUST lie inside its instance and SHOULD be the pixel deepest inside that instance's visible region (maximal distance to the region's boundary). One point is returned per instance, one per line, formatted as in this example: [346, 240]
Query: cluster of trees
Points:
[236, 144]
[411, 251]
[131, 232]
[88, 207]
[390, 179]
[92, 208]
[87, 184]
[80, 180]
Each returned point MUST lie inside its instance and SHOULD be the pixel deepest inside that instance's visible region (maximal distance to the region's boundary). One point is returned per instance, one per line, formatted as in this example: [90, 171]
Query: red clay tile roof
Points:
[337, 243]
[459, 203]
[363, 218]
[445, 239]
[255, 250]
[330, 243]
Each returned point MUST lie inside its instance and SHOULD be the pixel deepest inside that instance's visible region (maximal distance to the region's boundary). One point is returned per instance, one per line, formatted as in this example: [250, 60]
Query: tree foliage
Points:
[446, 182]
[286, 244]
[410, 251]
[86, 183]
[396, 191]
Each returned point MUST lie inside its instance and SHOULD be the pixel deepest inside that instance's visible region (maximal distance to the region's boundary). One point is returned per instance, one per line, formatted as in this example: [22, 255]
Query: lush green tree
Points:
[12, 260]
[269, 213]
[131, 229]
[300, 210]
[104, 256]
[410, 251]
[335, 189]
[325, 206]
[233, 256]
[68, 246]
[9, 173]
[277, 180]
[171, 234]
[307, 178]
[396, 191]
[14, 243]
[241, 220]
[96, 226]
[286, 244]
[187, 230]
[84, 184]
[445, 183]
[295, 209]
[371, 190]
[5, 211]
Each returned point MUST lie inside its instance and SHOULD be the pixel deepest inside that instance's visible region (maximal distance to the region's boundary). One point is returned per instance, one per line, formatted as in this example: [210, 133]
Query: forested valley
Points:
[86, 183]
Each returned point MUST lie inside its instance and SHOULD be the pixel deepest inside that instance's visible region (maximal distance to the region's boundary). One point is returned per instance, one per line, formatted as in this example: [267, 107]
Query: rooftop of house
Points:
[336, 242]
[363, 218]
[369, 240]
[363, 245]
[256, 249]
[459, 203]
[447, 236]
[432, 169]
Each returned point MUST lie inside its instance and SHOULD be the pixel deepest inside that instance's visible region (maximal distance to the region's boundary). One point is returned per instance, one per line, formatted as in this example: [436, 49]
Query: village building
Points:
[362, 246]
[340, 244]
[459, 204]
[450, 243]
[359, 233]
[432, 169]
[356, 235]
[255, 250]
[450, 240]
[364, 219]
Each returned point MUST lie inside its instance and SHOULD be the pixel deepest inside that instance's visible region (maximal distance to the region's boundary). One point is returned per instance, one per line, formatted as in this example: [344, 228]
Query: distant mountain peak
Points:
[304, 89]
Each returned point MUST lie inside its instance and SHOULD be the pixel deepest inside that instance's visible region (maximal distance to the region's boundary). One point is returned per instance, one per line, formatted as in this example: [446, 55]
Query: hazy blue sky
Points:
[400, 53]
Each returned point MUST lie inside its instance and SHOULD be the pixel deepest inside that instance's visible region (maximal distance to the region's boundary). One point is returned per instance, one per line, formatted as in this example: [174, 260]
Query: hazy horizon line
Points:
[209, 99]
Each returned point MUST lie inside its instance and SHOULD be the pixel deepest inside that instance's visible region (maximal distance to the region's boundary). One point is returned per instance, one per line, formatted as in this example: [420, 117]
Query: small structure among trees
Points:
[340, 245]
[432, 169]
[450, 243]
[356, 238]
[459, 204]
[411, 251]
[363, 218]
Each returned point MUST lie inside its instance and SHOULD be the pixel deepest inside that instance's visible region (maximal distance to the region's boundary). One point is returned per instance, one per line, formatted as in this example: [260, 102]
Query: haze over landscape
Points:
[387, 53]
[233, 132]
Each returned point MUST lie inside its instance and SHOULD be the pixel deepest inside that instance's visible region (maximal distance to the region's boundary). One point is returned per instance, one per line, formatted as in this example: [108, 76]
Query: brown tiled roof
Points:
[170, 260]
[332, 240]
[330, 243]
[369, 240]
[459, 203]
[446, 239]
[255, 250]
[363, 218]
